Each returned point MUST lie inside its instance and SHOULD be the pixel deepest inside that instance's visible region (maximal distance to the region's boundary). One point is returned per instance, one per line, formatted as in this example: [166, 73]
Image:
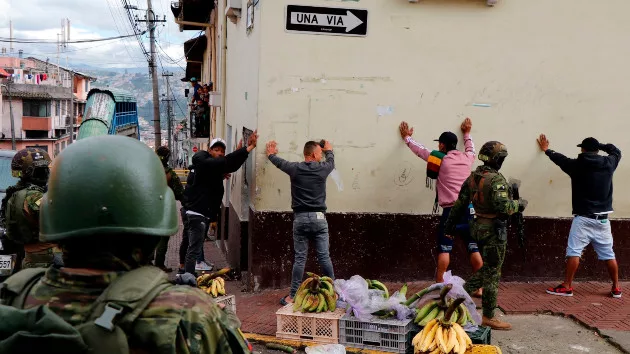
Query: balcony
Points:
[192, 15]
[36, 123]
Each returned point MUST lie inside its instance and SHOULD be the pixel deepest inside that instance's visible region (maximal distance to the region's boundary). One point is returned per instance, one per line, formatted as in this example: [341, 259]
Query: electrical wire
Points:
[47, 41]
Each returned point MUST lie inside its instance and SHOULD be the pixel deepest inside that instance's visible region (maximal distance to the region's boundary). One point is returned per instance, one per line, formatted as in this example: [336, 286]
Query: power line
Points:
[47, 41]
[116, 25]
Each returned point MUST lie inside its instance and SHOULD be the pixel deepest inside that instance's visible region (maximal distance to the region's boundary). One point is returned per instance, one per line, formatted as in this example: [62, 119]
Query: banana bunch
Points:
[375, 284]
[436, 309]
[316, 294]
[214, 287]
[388, 313]
[442, 336]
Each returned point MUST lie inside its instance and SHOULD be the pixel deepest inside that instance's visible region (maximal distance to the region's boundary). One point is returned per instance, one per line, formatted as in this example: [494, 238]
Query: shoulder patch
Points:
[38, 201]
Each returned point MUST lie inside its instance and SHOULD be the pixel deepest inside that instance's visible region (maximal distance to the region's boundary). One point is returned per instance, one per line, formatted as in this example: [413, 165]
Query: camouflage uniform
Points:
[491, 197]
[181, 319]
[137, 208]
[22, 209]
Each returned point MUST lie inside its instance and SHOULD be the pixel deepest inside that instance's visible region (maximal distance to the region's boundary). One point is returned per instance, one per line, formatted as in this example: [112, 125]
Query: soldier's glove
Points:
[186, 279]
[522, 204]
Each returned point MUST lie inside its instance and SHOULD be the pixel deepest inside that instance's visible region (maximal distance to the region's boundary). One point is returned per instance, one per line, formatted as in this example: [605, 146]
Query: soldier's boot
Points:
[495, 324]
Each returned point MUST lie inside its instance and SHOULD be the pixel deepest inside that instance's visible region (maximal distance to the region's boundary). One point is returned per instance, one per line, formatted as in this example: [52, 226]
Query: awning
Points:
[3, 73]
[192, 70]
[194, 48]
[192, 12]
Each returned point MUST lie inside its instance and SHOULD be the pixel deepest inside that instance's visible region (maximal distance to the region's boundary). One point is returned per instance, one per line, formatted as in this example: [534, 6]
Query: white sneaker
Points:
[203, 266]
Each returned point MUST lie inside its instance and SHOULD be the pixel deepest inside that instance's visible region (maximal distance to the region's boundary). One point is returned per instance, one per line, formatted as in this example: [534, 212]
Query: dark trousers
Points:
[183, 247]
[160, 252]
[196, 228]
[307, 227]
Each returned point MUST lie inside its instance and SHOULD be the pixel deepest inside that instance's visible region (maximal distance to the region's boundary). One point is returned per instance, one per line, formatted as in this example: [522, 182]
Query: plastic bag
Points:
[458, 291]
[326, 349]
[362, 302]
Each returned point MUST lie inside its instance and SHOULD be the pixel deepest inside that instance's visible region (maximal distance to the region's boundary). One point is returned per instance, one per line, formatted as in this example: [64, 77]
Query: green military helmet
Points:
[492, 150]
[25, 162]
[107, 185]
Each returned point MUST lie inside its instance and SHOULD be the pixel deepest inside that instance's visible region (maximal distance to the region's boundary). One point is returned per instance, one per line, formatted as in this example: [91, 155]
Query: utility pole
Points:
[169, 111]
[151, 22]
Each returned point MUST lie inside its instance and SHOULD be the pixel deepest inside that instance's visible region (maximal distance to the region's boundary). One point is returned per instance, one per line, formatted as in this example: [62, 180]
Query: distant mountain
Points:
[138, 82]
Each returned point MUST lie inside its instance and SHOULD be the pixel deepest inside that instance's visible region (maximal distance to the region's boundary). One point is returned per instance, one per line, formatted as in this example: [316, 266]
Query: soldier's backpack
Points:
[38, 329]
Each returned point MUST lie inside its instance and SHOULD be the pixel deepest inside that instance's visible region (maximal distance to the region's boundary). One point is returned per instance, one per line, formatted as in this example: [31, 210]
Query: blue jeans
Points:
[310, 227]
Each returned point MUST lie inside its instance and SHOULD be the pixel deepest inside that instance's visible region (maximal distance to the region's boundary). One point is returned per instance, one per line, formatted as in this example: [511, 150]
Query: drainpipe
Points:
[223, 72]
[8, 86]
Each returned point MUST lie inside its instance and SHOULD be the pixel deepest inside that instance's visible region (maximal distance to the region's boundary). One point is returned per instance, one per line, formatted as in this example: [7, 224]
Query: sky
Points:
[91, 19]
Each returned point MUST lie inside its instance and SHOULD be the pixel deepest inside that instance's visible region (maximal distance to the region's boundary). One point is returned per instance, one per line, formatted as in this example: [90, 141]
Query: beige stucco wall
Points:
[556, 67]
[242, 96]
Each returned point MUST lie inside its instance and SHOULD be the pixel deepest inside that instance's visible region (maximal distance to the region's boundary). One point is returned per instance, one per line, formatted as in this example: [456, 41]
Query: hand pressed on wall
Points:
[405, 131]
[466, 126]
[272, 148]
[543, 142]
[252, 141]
[327, 146]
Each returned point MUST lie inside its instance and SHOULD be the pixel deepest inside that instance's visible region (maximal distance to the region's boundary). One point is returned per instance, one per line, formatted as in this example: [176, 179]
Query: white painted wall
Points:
[243, 62]
[555, 67]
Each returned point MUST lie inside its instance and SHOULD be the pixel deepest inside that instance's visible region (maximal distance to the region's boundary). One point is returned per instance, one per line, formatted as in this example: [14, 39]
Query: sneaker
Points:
[616, 293]
[495, 324]
[561, 290]
[203, 266]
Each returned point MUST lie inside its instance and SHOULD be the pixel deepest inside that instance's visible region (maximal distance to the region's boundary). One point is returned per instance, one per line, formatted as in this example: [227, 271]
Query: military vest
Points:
[18, 227]
[480, 185]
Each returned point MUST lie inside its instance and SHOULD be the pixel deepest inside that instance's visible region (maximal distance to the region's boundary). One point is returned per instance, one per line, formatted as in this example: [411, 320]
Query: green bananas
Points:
[315, 294]
[435, 309]
[375, 284]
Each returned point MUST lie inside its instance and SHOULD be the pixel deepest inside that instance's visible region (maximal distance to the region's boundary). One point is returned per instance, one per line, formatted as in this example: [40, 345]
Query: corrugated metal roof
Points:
[119, 95]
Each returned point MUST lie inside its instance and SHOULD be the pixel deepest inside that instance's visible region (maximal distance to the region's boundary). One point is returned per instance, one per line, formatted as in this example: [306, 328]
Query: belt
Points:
[594, 216]
[486, 216]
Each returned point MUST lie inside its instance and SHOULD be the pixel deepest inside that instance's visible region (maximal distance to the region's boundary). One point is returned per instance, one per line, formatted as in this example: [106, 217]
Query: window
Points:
[36, 134]
[57, 108]
[36, 108]
[63, 145]
[87, 85]
[44, 147]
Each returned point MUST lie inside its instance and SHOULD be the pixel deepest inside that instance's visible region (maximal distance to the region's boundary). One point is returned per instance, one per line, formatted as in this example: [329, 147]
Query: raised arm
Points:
[329, 164]
[417, 148]
[469, 146]
[614, 154]
[566, 164]
[284, 165]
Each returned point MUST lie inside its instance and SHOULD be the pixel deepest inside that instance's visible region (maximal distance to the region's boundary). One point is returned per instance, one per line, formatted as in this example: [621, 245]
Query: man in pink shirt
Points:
[453, 169]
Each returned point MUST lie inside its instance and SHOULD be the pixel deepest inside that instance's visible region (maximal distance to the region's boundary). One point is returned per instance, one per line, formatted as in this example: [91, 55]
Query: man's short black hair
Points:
[310, 147]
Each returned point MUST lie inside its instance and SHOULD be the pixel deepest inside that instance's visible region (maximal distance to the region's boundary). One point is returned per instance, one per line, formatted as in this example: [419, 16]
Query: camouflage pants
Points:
[42, 259]
[493, 253]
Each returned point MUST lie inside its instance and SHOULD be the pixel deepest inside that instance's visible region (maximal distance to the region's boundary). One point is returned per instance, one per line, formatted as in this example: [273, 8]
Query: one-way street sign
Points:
[326, 20]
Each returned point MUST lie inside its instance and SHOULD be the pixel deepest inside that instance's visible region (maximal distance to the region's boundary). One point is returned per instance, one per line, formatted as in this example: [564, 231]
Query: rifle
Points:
[517, 217]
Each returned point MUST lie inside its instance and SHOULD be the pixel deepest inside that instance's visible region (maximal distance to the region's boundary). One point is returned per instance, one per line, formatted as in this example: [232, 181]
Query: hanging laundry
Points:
[30, 76]
[45, 77]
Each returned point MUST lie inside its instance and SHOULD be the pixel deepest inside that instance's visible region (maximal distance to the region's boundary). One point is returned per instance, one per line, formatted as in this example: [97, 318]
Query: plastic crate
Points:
[228, 300]
[316, 327]
[383, 335]
[481, 336]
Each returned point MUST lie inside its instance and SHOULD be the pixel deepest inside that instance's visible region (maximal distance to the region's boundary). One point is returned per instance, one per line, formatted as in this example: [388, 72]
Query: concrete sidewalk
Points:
[590, 306]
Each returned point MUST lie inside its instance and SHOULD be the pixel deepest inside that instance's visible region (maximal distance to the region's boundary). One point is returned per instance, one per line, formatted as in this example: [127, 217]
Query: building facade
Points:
[518, 69]
[40, 95]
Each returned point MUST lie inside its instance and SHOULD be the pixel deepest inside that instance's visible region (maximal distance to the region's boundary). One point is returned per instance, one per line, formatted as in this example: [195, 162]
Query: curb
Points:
[300, 345]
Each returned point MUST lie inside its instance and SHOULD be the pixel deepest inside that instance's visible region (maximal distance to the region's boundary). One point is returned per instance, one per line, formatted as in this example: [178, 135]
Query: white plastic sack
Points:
[326, 349]
[458, 291]
[361, 302]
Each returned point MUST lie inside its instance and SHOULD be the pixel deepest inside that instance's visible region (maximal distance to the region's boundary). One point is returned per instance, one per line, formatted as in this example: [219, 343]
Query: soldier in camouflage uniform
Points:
[20, 207]
[107, 232]
[491, 197]
[176, 186]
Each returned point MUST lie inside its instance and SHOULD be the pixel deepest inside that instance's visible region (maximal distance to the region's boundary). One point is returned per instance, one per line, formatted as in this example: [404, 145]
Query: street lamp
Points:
[8, 86]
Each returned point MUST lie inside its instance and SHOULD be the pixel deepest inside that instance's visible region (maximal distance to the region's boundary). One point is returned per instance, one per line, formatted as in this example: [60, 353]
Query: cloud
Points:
[41, 19]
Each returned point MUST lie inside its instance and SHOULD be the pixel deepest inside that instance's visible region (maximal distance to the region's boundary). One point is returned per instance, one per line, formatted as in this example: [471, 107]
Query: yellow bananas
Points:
[214, 287]
[316, 294]
[442, 335]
